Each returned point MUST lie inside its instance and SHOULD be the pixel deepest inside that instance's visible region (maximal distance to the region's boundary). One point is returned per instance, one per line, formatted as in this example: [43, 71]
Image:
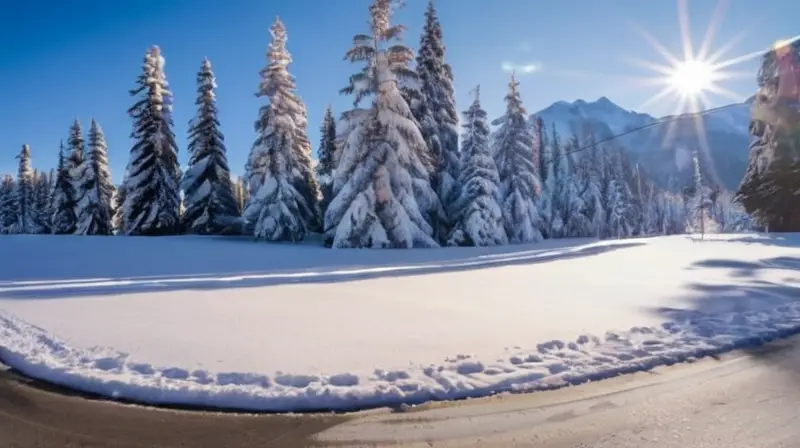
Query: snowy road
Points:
[746, 399]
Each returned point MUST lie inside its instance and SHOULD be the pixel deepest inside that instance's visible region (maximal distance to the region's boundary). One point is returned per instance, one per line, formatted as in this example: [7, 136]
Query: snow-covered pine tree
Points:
[567, 219]
[543, 157]
[477, 216]
[43, 199]
[76, 149]
[592, 180]
[648, 196]
[24, 195]
[284, 202]
[325, 159]
[152, 187]
[699, 217]
[210, 205]
[63, 218]
[519, 185]
[626, 174]
[382, 189]
[8, 205]
[96, 205]
[617, 196]
[119, 208]
[576, 223]
[436, 85]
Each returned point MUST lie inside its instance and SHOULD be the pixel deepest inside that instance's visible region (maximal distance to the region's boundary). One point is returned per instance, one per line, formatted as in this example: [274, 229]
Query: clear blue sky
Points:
[77, 59]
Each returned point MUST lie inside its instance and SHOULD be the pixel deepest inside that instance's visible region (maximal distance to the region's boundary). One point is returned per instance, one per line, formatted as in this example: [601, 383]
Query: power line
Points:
[650, 125]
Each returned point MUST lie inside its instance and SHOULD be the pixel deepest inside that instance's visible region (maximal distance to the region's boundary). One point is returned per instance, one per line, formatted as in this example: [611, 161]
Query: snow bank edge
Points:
[104, 372]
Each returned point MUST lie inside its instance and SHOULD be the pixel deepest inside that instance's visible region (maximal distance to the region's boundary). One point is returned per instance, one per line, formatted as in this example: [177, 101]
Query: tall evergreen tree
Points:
[436, 82]
[63, 218]
[96, 206]
[9, 211]
[76, 149]
[699, 212]
[591, 184]
[210, 205]
[477, 216]
[617, 196]
[575, 221]
[284, 205]
[43, 199]
[544, 171]
[519, 185]
[24, 194]
[119, 208]
[152, 189]
[382, 189]
[325, 158]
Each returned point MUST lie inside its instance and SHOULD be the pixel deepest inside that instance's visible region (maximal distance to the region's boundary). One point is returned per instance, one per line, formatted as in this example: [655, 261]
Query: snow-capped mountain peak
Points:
[604, 117]
[656, 147]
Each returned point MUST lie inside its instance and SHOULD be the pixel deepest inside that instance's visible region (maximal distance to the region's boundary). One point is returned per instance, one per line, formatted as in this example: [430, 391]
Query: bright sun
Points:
[692, 77]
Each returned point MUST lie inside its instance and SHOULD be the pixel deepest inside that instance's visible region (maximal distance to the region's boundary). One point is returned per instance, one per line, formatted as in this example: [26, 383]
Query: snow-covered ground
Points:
[233, 323]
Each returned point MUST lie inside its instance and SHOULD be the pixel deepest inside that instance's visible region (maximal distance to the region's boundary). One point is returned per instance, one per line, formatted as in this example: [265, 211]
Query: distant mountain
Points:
[664, 147]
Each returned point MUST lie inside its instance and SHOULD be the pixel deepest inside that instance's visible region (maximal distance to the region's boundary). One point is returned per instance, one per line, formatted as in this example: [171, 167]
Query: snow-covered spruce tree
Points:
[591, 184]
[24, 195]
[284, 202]
[43, 199]
[617, 197]
[577, 224]
[436, 84]
[63, 218]
[8, 205]
[325, 159]
[152, 187]
[698, 216]
[96, 206]
[477, 216]
[382, 188]
[76, 155]
[119, 208]
[519, 185]
[210, 205]
[567, 219]
[544, 171]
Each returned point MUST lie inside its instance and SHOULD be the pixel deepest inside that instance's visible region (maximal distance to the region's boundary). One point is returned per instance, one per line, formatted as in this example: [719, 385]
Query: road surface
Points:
[745, 399]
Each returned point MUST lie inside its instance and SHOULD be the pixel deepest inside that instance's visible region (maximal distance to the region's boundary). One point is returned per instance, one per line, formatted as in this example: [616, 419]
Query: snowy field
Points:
[236, 324]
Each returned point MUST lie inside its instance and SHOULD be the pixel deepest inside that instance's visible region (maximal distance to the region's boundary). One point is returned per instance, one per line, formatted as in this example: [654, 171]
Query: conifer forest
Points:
[404, 168]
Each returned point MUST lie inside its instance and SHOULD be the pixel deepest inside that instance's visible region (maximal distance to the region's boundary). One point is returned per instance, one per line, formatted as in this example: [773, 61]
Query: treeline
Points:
[390, 173]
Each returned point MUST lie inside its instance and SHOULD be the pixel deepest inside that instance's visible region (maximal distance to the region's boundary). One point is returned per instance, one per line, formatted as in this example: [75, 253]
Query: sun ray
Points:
[671, 59]
[727, 46]
[716, 19]
[686, 34]
[663, 69]
[730, 94]
[739, 59]
[663, 93]
[731, 75]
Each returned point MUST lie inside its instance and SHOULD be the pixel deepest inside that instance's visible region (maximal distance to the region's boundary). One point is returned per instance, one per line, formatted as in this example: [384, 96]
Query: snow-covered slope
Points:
[230, 323]
[662, 149]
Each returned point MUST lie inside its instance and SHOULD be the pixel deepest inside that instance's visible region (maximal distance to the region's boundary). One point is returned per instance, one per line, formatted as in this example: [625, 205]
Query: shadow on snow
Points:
[58, 289]
[742, 311]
